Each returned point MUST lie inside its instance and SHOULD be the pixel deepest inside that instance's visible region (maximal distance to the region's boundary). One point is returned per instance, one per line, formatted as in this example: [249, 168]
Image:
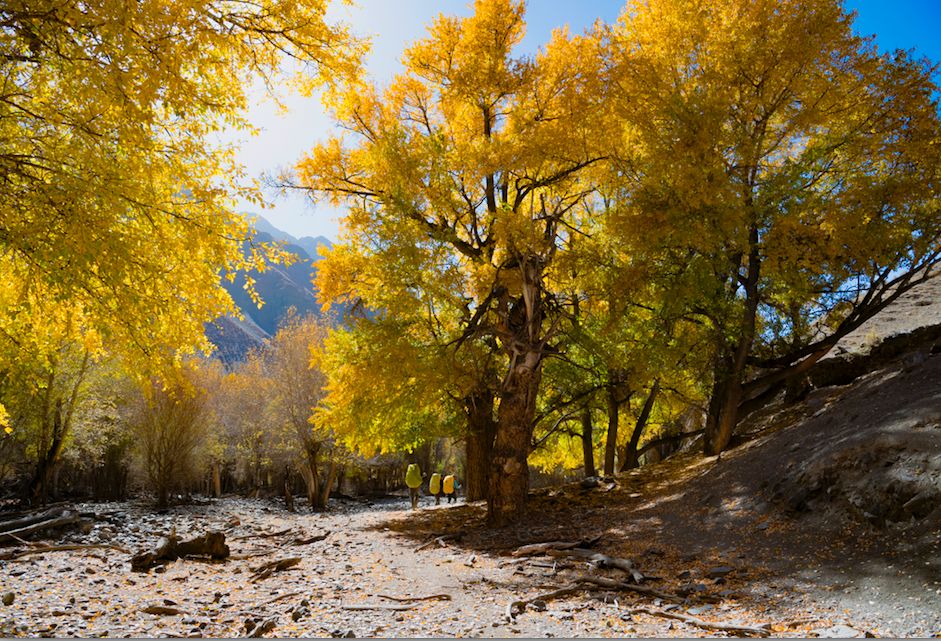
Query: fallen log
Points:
[601, 560]
[170, 548]
[535, 549]
[264, 571]
[31, 519]
[705, 625]
[17, 534]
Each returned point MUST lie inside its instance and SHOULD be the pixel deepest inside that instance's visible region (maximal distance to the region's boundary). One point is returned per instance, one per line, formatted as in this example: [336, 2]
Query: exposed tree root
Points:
[602, 560]
[515, 608]
[705, 625]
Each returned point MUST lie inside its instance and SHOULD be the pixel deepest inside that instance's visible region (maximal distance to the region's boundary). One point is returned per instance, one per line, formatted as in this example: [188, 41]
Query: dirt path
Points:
[93, 593]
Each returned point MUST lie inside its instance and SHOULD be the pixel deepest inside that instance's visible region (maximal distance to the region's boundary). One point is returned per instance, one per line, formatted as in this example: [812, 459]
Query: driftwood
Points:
[601, 560]
[312, 539]
[263, 535]
[542, 548]
[254, 555]
[31, 518]
[15, 554]
[171, 548]
[409, 599]
[15, 531]
[440, 540]
[705, 625]
[264, 571]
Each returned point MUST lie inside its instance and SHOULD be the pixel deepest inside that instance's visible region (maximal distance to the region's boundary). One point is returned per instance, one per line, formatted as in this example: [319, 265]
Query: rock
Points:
[8, 598]
[590, 483]
[699, 610]
[538, 605]
[690, 588]
[719, 571]
[840, 631]
[920, 505]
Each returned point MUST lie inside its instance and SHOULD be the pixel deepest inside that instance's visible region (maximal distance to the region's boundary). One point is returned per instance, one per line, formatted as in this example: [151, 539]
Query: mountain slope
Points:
[281, 288]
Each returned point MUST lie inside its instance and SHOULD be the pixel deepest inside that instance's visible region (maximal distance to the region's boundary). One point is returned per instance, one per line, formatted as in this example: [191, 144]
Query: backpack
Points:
[449, 484]
[434, 485]
[413, 476]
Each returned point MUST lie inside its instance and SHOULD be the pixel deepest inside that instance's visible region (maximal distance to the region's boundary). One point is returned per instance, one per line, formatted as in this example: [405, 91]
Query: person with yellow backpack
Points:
[450, 487]
[413, 481]
[434, 487]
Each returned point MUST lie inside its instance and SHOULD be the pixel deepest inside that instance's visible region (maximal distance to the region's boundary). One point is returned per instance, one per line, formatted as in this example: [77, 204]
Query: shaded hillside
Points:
[824, 521]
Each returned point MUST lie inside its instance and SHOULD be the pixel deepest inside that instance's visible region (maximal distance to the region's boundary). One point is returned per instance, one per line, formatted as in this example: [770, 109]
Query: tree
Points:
[171, 420]
[116, 201]
[791, 166]
[297, 387]
[474, 158]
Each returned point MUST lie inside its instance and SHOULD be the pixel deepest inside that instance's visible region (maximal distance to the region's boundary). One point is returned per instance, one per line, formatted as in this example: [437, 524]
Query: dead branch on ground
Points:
[705, 625]
[264, 571]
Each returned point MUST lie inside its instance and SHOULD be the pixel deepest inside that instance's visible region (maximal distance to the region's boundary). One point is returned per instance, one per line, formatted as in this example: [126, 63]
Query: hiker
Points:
[434, 487]
[450, 487]
[413, 481]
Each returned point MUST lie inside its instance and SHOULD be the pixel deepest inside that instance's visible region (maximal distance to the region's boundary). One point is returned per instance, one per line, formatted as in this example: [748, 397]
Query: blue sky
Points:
[394, 24]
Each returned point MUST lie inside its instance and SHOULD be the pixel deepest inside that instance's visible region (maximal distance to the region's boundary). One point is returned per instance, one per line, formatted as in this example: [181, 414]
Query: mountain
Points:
[281, 287]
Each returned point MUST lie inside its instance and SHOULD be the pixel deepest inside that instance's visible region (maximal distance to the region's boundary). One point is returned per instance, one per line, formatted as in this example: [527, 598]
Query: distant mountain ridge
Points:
[281, 287]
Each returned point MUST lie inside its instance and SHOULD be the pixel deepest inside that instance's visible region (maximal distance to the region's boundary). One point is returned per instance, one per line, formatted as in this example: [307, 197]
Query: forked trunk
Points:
[630, 455]
[730, 372]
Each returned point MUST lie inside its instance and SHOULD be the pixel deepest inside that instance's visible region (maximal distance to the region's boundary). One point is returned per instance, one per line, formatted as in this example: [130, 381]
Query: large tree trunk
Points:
[509, 474]
[216, 479]
[730, 372]
[481, 431]
[49, 458]
[588, 443]
[611, 440]
[630, 455]
[327, 486]
[310, 473]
